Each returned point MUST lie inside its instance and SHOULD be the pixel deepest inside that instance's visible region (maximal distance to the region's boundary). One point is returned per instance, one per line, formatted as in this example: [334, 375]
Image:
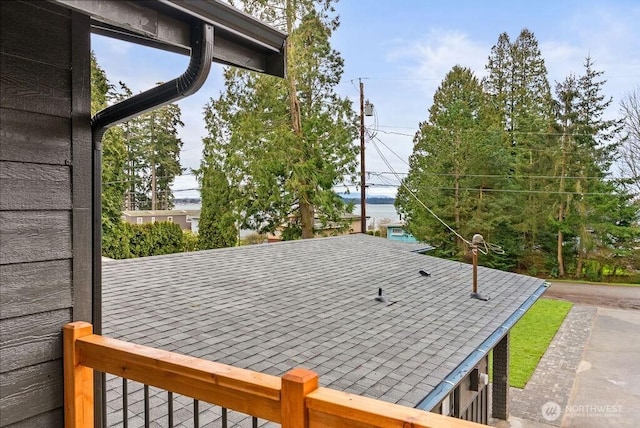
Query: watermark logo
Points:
[551, 411]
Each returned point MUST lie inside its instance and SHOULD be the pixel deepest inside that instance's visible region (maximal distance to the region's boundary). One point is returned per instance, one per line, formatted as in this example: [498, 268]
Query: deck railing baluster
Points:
[196, 414]
[170, 408]
[125, 403]
[146, 406]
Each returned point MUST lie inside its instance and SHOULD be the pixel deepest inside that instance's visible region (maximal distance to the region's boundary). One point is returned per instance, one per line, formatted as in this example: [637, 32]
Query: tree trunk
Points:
[306, 219]
[560, 256]
[580, 263]
[306, 207]
[561, 212]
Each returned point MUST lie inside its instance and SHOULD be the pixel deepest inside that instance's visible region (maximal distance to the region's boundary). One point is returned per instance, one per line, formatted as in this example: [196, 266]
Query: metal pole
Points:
[474, 252]
[363, 194]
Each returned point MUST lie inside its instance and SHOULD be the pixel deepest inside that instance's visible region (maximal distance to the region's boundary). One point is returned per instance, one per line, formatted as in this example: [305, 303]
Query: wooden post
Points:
[78, 380]
[296, 384]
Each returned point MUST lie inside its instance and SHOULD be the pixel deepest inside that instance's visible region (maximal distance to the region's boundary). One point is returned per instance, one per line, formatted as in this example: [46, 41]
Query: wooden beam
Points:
[296, 384]
[328, 407]
[78, 379]
[238, 389]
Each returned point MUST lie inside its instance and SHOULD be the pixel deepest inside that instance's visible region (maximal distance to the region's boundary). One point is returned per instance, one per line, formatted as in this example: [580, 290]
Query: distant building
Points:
[183, 218]
[397, 232]
[330, 229]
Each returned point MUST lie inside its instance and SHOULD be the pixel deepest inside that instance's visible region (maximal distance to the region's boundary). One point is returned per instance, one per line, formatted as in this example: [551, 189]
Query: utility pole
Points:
[363, 193]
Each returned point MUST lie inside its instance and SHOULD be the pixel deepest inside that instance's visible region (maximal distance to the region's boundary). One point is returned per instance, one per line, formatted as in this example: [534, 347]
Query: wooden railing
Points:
[294, 401]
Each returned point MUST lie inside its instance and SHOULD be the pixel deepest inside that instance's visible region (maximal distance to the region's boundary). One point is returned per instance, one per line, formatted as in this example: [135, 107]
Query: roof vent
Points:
[380, 297]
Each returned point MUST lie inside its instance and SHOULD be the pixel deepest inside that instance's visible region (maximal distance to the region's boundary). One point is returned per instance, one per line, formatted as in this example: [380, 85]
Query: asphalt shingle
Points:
[311, 304]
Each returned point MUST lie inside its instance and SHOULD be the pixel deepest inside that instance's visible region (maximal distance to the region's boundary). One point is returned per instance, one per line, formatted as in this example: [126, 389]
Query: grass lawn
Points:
[530, 338]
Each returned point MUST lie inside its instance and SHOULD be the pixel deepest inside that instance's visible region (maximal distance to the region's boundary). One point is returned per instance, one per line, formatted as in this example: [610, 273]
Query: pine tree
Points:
[567, 99]
[456, 163]
[596, 145]
[154, 157]
[284, 143]
[519, 89]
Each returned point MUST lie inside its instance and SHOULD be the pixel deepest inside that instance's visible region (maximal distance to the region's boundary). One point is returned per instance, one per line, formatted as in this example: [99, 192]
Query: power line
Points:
[481, 131]
[444, 174]
[384, 159]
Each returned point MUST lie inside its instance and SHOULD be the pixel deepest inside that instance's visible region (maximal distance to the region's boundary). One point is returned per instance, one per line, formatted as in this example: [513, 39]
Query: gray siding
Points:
[45, 203]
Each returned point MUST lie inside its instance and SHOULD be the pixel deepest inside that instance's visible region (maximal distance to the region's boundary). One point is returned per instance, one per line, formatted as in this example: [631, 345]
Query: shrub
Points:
[124, 240]
[189, 241]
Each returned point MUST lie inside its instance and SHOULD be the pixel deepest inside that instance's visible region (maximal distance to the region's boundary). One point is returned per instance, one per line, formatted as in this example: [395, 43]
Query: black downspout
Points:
[186, 84]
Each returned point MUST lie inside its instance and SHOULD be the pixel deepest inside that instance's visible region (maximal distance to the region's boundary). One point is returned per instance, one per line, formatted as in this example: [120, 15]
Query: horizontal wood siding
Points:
[44, 342]
[47, 32]
[34, 86]
[34, 187]
[35, 138]
[30, 391]
[37, 159]
[35, 287]
[53, 418]
[33, 236]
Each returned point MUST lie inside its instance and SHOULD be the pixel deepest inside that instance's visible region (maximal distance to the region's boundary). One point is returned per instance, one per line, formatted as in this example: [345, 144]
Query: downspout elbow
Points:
[182, 86]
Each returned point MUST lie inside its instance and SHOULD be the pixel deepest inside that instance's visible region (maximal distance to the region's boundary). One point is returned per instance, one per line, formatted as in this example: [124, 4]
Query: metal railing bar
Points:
[146, 406]
[196, 414]
[170, 408]
[125, 403]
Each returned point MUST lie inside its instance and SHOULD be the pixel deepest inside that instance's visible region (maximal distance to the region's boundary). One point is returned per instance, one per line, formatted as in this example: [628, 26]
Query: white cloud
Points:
[430, 59]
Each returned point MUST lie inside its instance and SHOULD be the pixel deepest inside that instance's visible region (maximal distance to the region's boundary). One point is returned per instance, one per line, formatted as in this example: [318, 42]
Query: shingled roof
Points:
[310, 303]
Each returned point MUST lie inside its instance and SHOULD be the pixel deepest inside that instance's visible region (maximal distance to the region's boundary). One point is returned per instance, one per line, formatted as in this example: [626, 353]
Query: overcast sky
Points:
[402, 50]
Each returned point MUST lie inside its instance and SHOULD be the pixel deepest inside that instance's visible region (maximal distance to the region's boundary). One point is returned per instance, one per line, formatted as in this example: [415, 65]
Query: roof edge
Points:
[452, 380]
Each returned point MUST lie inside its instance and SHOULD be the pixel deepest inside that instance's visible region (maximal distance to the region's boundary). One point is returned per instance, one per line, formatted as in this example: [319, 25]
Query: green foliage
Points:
[528, 172]
[116, 240]
[282, 144]
[154, 158]
[531, 336]
[459, 143]
[127, 240]
[189, 241]
[217, 227]
[113, 161]
[154, 239]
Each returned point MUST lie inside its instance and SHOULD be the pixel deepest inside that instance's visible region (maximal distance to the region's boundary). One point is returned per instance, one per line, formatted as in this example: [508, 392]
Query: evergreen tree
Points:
[113, 157]
[153, 157]
[217, 226]
[284, 143]
[458, 159]
[596, 147]
[567, 100]
[520, 92]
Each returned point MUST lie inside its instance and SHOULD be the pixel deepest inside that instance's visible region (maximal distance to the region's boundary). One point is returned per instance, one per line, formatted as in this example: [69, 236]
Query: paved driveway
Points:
[606, 391]
[589, 377]
[596, 295]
